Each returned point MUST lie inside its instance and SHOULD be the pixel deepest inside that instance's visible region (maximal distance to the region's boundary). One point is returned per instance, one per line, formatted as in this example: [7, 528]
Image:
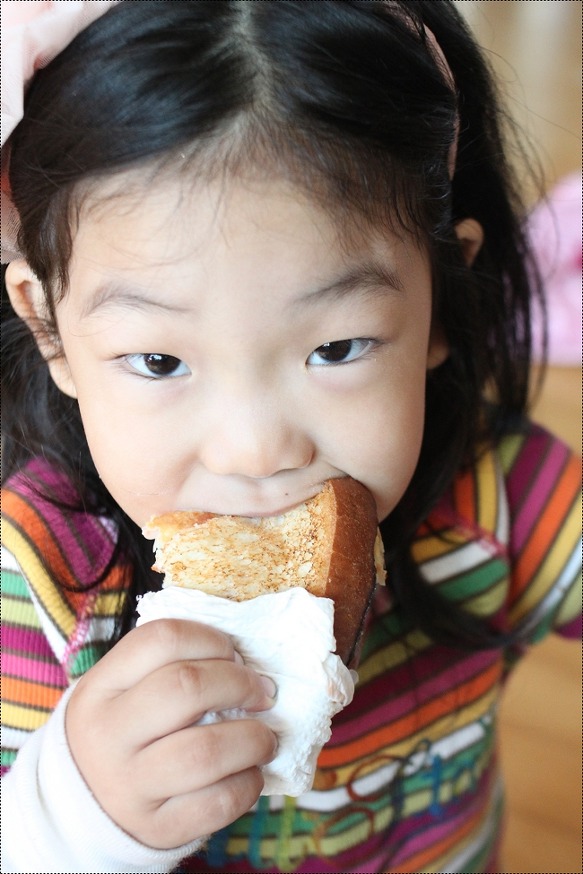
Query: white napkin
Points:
[289, 637]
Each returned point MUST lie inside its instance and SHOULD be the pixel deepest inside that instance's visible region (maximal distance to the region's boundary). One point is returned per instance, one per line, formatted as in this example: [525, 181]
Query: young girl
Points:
[260, 245]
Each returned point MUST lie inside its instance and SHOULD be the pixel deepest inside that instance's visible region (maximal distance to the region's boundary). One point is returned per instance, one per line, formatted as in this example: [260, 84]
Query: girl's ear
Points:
[438, 350]
[28, 302]
[470, 233]
[471, 236]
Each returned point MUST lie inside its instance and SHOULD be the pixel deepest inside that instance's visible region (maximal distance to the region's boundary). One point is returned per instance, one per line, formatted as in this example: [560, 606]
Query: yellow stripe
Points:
[508, 449]
[107, 604]
[488, 602]
[571, 606]
[286, 832]
[487, 493]
[392, 656]
[317, 843]
[487, 497]
[18, 612]
[550, 569]
[427, 548]
[22, 718]
[60, 614]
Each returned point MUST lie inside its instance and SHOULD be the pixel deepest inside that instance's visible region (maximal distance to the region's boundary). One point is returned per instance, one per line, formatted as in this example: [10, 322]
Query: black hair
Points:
[348, 100]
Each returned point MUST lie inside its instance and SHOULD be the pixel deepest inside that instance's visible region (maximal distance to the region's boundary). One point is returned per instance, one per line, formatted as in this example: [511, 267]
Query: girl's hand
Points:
[130, 727]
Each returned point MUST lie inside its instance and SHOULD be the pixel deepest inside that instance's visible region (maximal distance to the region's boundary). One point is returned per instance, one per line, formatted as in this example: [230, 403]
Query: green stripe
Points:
[475, 581]
[88, 656]
[13, 583]
[7, 757]
[508, 450]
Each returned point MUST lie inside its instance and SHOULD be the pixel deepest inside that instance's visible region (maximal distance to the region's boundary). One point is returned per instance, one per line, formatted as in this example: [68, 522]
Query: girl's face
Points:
[230, 351]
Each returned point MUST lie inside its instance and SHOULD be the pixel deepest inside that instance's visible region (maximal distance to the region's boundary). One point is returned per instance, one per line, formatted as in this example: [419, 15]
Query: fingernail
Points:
[269, 687]
[274, 750]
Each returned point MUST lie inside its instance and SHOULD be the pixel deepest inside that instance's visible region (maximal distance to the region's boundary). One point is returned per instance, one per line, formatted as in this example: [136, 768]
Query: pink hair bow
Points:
[555, 233]
[33, 33]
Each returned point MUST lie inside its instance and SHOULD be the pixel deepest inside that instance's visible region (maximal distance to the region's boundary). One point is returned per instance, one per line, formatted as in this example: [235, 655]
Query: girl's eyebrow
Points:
[370, 278]
[112, 293]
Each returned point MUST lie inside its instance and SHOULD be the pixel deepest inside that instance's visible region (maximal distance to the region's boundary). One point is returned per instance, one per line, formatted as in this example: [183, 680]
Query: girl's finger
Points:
[200, 756]
[183, 818]
[177, 695]
[153, 645]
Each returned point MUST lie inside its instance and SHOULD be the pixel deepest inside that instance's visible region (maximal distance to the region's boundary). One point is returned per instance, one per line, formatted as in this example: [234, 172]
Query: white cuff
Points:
[52, 823]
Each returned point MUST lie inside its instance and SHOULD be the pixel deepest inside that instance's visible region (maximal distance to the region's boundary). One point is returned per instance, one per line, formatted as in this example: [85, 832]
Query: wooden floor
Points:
[535, 47]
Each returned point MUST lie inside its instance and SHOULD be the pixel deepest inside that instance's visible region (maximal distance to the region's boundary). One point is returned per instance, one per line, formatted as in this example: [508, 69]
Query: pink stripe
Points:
[525, 466]
[80, 540]
[444, 686]
[453, 823]
[31, 641]
[573, 629]
[538, 495]
[28, 669]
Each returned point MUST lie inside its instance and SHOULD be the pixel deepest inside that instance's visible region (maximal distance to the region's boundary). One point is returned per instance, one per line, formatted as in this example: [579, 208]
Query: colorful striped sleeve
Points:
[59, 601]
[543, 483]
[33, 680]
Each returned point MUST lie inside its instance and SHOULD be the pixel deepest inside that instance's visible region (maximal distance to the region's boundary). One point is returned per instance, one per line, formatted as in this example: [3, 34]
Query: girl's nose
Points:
[254, 439]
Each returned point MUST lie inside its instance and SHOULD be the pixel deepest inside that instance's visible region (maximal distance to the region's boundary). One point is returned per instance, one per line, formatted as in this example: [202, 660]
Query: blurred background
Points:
[535, 49]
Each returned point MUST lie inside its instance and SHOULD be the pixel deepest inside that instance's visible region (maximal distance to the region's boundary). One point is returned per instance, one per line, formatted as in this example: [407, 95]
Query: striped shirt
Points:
[409, 780]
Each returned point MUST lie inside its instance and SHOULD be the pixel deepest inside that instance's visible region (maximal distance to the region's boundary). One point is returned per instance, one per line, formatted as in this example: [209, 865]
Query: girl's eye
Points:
[157, 366]
[340, 352]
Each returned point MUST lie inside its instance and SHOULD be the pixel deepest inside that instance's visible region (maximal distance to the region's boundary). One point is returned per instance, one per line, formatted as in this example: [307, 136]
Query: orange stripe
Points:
[545, 530]
[412, 723]
[27, 519]
[30, 694]
[465, 496]
[32, 527]
[17, 509]
[115, 581]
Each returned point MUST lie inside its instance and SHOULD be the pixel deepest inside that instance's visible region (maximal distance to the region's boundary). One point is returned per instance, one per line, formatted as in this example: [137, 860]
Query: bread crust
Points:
[352, 574]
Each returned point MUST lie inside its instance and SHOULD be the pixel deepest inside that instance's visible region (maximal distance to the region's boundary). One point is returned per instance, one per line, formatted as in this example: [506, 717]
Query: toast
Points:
[329, 545]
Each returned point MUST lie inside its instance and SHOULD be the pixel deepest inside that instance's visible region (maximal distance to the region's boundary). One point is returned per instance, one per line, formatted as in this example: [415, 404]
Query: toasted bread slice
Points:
[328, 545]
